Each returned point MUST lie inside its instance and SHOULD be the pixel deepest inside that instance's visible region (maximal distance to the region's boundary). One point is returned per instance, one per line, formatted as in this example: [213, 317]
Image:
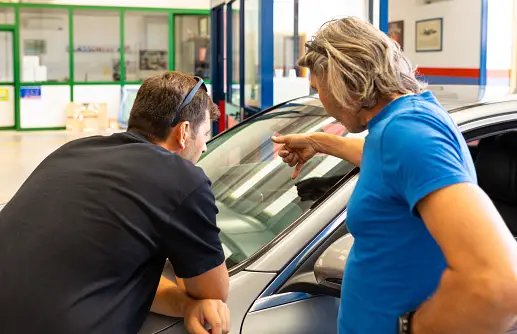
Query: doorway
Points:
[7, 82]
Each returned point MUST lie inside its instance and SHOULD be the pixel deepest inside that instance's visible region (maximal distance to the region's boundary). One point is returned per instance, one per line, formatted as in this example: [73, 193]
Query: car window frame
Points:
[277, 239]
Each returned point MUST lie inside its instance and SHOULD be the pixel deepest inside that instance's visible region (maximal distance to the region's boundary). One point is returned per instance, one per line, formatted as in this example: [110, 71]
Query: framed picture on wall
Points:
[153, 60]
[396, 32]
[35, 47]
[429, 35]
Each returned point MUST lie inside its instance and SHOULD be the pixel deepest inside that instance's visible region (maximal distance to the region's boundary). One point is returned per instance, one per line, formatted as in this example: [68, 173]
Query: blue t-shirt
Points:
[413, 148]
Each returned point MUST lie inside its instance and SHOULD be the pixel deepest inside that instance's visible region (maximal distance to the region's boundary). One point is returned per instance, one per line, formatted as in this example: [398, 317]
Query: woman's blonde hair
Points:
[359, 63]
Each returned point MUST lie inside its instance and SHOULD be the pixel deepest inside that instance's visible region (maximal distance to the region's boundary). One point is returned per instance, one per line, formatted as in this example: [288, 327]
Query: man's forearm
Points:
[349, 149]
[464, 306]
[170, 299]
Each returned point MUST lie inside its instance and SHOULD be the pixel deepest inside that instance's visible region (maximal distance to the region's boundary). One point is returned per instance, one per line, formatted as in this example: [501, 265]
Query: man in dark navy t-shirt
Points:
[85, 239]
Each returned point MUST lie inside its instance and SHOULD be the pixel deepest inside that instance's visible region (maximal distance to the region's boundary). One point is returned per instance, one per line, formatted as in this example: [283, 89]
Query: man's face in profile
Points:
[196, 144]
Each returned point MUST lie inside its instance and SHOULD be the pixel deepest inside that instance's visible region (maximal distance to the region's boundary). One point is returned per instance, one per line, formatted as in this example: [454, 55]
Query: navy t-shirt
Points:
[85, 239]
[413, 148]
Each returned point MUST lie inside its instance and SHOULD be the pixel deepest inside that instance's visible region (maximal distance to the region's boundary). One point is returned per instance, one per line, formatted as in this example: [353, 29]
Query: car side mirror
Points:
[329, 267]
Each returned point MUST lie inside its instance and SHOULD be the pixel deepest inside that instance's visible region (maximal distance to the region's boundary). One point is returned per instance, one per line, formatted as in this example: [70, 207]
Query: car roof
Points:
[465, 103]
[453, 97]
[457, 99]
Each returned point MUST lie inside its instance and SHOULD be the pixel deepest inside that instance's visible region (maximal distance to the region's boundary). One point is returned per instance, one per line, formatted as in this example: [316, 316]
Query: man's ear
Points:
[182, 132]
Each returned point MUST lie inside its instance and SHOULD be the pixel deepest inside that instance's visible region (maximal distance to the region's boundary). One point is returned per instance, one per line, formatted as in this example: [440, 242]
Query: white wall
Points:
[283, 16]
[312, 13]
[194, 4]
[500, 41]
[310, 19]
[461, 31]
[500, 34]
[109, 94]
[6, 15]
[49, 110]
[6, 106]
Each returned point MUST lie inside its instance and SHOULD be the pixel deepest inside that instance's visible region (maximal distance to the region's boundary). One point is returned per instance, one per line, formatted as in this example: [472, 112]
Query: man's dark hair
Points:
[158, 99]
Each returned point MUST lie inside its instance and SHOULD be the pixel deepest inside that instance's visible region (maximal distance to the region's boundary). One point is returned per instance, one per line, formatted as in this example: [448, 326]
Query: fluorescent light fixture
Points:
[271, 165]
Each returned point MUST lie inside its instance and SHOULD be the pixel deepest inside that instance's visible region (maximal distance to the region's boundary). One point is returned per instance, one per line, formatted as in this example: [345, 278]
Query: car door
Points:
[492, 140]
[295, 302]
[249, 282]
[308, 300]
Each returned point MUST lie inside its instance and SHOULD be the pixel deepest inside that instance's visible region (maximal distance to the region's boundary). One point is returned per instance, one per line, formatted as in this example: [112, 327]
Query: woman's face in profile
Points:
[346, 116]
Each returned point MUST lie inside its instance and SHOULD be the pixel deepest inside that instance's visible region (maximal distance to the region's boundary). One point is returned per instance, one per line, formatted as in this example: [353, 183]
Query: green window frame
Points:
[171, 12]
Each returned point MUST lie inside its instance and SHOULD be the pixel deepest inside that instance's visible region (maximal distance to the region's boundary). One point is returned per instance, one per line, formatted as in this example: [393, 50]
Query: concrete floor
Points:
[21, 153]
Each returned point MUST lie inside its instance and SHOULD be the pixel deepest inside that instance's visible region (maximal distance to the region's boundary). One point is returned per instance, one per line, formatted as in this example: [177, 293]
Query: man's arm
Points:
[212, 284]
[478, 290]
[172, 300]
[195, 251]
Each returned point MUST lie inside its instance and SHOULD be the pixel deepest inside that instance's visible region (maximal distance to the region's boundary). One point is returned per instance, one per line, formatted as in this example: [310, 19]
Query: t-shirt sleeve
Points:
[192, 239]
[421, 154]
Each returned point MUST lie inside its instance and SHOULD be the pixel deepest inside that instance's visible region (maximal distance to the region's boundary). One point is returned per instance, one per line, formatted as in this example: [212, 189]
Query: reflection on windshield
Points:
[254, 192]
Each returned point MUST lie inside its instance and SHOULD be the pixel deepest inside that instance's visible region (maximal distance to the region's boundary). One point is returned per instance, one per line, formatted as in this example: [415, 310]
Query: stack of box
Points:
[32, 71]
[87, 117]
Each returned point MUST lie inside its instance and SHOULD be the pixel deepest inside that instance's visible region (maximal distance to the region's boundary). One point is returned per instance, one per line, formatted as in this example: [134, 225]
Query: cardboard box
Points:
[87, 116]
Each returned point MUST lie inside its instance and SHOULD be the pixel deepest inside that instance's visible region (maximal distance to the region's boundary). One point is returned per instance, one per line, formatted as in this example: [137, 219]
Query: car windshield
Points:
[256, 197]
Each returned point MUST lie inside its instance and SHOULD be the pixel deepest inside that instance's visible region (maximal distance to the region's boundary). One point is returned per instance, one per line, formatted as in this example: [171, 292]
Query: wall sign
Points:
[31, 92]
[4, 94]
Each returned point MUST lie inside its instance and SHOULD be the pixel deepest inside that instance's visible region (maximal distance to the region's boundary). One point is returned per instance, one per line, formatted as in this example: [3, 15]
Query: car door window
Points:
[256, 197]
[495, 158]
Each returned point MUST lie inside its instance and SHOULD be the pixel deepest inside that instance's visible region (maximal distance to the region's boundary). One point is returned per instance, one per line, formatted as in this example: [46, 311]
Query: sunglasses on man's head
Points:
[188, 98]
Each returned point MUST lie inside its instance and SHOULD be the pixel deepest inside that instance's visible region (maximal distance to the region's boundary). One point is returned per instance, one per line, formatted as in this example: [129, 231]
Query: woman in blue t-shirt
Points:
[431, 251]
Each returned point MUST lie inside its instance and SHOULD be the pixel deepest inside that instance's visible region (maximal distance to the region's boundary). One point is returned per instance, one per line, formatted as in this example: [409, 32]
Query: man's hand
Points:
[297, 150]
[172, 300]
[212, 312]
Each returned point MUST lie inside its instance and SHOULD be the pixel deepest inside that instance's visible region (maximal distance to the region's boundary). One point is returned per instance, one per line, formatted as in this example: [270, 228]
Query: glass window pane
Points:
[235, 93]
[6, 15]
[251, 56]
[289, 81]
[6, 56]
[44, 45]
[147, 43]
[192, 44]
[256, 197]
[96, 45]
[283, 27]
